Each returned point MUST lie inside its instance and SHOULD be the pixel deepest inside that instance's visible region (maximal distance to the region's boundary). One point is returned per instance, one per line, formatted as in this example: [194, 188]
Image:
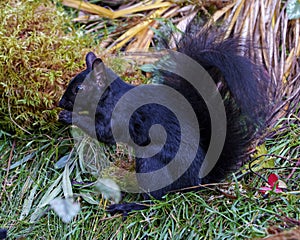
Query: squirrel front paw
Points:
[65, 116]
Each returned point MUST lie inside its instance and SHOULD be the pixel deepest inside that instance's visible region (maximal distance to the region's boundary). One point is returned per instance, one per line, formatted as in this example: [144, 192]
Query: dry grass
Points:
[265, 23]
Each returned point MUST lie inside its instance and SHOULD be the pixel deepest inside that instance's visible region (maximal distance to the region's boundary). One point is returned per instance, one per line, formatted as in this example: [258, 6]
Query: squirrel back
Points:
[245, 87]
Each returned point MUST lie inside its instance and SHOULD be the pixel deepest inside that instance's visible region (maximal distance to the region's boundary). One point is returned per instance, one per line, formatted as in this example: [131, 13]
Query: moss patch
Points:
[39, 53]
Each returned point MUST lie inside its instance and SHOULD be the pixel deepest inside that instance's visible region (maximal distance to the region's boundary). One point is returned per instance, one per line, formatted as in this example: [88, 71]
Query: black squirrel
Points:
[244, 86]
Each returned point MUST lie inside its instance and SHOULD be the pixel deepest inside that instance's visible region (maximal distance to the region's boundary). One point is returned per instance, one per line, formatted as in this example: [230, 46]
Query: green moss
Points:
[39, 53]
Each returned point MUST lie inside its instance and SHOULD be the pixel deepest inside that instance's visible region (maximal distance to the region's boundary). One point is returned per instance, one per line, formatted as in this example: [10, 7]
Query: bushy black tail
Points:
[244, 87]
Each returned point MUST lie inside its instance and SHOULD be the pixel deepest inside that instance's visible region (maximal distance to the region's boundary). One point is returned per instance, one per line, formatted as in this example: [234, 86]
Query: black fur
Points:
[242, 84]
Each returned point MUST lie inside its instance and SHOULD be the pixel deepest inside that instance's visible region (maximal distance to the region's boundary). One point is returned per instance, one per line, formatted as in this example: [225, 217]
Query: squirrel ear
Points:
[89, 59]
[99, 71]
[96, 63]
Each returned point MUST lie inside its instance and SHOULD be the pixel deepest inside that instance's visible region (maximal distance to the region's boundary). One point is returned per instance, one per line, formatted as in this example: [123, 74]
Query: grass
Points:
[242, 212]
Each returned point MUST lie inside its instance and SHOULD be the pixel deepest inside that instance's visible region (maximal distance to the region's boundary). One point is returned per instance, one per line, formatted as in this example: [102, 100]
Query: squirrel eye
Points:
[78, 88]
